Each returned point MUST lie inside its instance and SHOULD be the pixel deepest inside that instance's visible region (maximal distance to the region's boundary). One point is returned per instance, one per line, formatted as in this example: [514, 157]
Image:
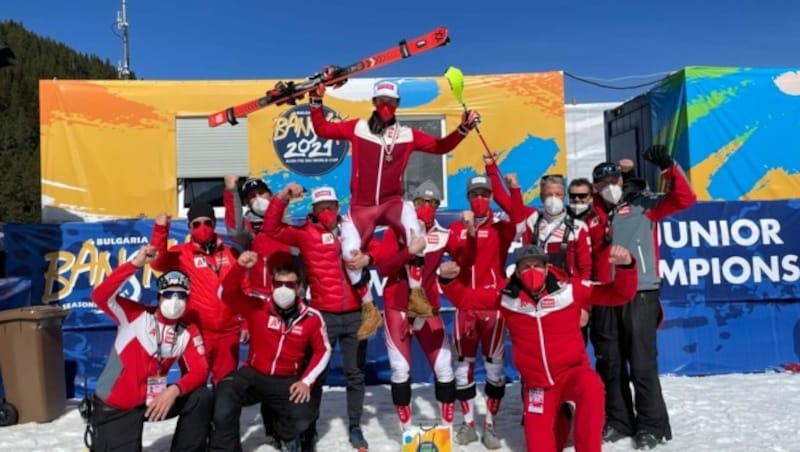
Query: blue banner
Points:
[730, 287]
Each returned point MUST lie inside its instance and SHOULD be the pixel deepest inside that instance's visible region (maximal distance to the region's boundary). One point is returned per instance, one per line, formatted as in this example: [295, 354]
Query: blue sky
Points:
[222, 39]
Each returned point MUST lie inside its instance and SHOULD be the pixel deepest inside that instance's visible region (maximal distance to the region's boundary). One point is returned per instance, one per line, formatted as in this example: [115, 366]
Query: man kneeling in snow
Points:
[133, 386]
[279, 372]
[542, 309]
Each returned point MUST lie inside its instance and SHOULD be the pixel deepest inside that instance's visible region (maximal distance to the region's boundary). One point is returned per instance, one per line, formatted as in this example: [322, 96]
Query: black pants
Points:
[247, 387]
[343, 328]
[624, 340]
[121, 430]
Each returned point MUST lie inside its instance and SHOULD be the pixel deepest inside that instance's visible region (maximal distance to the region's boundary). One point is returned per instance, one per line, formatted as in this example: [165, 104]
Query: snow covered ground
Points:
[754, 412]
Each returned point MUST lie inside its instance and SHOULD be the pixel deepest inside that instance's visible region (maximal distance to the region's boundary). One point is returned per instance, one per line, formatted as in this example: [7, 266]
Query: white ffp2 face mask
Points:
[612, 193]
[578, 208]
[172, 308]
[259, 205]
[553, 205]
[283, 297]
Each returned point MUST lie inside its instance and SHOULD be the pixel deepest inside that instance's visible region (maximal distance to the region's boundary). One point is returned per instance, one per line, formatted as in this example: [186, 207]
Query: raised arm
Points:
[275, 227]
[165, 260]
[344, 130]
[106, 295]
[232, 294]
[234, 218]
[679, 194]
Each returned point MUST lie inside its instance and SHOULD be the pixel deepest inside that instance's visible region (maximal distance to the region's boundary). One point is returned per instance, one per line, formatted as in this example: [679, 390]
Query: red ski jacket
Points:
[277, 348]
[271, 253]
[379, 162]
[321, 252]
[391, 258]
[545, 337]
[205, 271]
[492, 239]
[134, 356]
[575, 257]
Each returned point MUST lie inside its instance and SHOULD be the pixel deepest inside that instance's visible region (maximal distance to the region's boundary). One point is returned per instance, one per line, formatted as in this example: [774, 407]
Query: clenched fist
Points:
[231, 180]
[620, 256]
[512, 181]
[162, 219]
[468, 218]
[248, 259]
[449, 270]
[291, 191]
[145, 255]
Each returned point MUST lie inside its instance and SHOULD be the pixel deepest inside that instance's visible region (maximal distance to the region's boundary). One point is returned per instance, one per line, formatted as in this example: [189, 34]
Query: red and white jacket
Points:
[545, 337]
[271, 253]
[321, 252]
[546, 231]
[379, 162]
[205, 271]
[391, 258]
[134, 357]
[492, 239]
[276, 348]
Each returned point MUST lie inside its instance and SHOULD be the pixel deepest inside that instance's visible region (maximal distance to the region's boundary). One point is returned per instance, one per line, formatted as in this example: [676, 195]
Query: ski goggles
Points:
[290, 284]
[179, 294]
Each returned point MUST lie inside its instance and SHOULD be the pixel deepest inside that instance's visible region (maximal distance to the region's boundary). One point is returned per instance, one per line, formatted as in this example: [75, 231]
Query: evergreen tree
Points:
[36, 58]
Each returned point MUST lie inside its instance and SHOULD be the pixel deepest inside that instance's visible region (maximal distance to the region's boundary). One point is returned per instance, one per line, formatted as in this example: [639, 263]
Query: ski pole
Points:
[455, 78]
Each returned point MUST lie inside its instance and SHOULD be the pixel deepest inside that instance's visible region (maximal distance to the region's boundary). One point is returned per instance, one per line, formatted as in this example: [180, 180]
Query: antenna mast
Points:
[124, 69]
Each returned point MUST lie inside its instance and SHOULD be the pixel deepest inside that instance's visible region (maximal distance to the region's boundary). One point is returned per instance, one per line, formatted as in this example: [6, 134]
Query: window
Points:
[204, 156]
[422, 166]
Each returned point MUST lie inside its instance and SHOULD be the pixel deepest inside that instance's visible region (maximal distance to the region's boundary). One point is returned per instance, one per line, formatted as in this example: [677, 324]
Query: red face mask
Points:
[532, 279]
[426, 214]
[479, 206]
[328, 218]
[202, 233]
[385, 112]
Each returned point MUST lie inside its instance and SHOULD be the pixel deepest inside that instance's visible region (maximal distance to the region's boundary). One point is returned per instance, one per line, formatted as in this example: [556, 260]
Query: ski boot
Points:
[466, 434]
[357, 439]
[489, 438]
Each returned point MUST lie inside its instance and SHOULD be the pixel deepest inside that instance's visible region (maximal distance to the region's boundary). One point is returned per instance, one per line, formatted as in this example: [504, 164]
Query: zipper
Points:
[544, 353]
[380, 173]
[264, 271]
[641, 255]
[277, 352]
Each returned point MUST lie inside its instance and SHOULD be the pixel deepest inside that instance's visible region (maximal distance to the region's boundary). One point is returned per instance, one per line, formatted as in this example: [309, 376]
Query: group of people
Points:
[212, 297]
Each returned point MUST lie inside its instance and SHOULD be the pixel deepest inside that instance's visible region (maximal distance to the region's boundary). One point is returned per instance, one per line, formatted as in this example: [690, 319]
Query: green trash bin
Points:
[32, 361]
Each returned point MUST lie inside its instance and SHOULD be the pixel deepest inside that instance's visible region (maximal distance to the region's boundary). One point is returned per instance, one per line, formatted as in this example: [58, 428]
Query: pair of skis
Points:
[290, 92]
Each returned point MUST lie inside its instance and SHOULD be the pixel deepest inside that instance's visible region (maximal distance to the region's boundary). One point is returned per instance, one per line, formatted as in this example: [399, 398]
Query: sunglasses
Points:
[579, 195]
[179, 294]
[290, 284]
[197, 224]
[419, 202]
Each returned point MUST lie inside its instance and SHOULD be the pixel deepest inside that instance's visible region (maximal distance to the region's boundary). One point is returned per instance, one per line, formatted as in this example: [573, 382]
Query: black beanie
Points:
[200, 209]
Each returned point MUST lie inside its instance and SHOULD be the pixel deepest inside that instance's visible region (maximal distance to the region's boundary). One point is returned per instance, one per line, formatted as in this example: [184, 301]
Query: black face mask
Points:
[377, 126]
[289, 314]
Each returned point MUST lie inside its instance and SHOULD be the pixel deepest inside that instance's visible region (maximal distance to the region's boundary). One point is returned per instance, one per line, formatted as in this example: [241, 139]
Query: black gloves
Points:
[659, 155]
